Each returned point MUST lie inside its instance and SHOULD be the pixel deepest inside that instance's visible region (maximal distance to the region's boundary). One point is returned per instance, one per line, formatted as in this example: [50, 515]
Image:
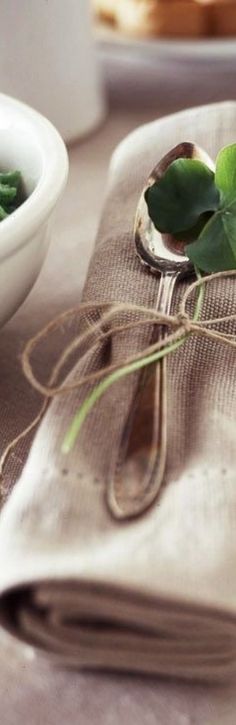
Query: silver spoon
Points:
[140, 465]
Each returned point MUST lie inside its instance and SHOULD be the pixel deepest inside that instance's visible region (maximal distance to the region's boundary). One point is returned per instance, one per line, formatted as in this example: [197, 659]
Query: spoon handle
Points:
[136, 480]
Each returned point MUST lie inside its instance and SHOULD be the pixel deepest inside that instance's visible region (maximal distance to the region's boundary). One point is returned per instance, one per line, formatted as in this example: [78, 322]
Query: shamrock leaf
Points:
[186, 191]
[190, 235]
[215, 249]
[225, 174]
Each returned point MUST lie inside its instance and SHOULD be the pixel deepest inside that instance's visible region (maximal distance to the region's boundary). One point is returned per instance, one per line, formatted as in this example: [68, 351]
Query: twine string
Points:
[179, 326]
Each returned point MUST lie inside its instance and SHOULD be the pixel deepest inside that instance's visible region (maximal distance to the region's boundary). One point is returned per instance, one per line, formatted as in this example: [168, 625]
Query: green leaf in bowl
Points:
[11, 192]
[3, 213]
[7, 193]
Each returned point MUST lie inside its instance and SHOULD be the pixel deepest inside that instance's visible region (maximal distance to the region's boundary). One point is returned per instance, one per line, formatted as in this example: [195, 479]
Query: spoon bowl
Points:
[162, 252]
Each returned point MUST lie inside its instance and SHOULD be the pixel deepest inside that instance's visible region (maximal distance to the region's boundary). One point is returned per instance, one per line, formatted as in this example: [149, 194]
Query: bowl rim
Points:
[18, 229]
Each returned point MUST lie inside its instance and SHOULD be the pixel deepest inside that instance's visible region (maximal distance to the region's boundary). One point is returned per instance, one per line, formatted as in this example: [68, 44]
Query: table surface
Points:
[30, 690]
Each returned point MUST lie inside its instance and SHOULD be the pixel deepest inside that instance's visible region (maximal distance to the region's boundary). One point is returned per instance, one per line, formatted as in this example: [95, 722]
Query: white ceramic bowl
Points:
[30, 143]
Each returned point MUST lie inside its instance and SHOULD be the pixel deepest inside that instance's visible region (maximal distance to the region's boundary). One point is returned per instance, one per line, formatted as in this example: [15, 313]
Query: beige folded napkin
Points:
[158, 593]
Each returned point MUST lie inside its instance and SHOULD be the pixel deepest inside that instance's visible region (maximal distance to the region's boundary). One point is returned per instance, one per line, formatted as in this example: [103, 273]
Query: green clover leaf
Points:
[215, 248]
[225, 173]
[184, 193]
[199, 207]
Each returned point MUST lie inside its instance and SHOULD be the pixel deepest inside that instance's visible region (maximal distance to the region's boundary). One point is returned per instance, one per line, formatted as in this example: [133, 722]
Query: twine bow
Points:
[179, 325]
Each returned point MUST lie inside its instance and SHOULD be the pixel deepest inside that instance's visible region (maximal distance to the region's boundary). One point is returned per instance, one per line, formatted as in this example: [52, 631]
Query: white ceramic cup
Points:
[47, 59]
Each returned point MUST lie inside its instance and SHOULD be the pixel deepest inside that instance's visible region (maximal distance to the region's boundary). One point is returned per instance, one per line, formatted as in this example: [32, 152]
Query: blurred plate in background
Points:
[208, 49]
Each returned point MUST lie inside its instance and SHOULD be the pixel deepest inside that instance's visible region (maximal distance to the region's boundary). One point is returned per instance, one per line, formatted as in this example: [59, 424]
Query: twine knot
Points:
[185, 321]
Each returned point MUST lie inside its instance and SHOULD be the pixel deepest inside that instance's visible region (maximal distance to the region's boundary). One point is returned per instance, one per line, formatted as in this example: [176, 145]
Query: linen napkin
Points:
[158, 593]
